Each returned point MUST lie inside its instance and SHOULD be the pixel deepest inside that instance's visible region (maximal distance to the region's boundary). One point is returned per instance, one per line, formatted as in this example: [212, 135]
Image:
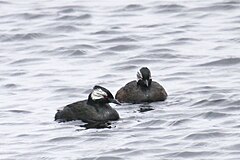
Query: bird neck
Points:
[142, 85]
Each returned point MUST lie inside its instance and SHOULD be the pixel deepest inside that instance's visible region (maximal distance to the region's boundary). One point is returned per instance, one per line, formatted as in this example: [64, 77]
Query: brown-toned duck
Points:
[94, 109]
[142, 90]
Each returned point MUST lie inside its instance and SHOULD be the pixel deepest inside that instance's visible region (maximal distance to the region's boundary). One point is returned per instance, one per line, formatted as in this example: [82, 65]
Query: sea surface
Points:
[52, 53]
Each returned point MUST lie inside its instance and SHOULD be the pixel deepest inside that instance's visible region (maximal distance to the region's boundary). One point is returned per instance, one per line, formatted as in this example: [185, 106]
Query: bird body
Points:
[94, 109]
[132, 93]
[142, 90]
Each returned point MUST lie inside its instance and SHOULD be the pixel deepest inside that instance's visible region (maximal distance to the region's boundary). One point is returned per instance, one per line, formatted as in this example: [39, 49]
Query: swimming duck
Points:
[142, 90]
[94, 109]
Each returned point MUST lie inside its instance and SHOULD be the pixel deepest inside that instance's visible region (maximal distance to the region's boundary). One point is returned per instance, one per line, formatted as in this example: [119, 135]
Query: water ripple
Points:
[60, 139]
[65, 28]
[169, 8]
[222, 62]
[218, 7]
[27, 37]
[151, 123]
[123, 47]
[20, 111]
[213, 115]
[71, 18]
[11, 85]
[119, 39]
[108, 158]
[132, 7]
[4, 2]
[191, 154]
[27, 61]
[197, 136]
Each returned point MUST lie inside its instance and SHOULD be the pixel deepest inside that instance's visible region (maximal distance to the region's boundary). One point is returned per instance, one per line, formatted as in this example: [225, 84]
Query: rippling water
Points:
[52, 53]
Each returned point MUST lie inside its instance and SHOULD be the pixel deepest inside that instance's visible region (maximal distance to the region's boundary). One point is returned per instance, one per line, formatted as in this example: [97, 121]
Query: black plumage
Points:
[143, 90]
[91, 110]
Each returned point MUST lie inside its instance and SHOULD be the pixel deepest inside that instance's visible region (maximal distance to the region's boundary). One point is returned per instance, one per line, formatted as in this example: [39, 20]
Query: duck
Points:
[93, 110]
[144, 89]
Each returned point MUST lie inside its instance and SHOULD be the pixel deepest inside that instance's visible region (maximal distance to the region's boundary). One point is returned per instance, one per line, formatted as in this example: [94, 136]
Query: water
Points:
[52, 53]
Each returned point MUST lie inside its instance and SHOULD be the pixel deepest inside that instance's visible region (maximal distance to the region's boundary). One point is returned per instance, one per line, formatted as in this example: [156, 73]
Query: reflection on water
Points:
[97, 125]
[145, 108]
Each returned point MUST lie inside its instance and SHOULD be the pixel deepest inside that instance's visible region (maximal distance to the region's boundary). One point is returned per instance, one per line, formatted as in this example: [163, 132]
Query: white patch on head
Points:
[98, 94]
[139, 75]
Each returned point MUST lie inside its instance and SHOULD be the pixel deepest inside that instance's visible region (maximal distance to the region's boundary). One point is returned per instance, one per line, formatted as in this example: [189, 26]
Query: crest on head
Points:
[98, 93]
[144, 74]
[101, 95]
[144, 77]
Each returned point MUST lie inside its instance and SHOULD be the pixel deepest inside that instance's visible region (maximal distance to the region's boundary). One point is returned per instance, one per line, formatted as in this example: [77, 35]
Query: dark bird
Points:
[142, 90]
[94, 109]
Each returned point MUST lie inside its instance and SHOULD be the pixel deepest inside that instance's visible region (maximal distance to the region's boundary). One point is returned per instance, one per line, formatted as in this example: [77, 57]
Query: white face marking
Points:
[98, 94]
[139, 75]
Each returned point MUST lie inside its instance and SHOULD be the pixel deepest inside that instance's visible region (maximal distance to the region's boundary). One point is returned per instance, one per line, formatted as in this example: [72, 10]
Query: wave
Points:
[209, 102]
[197, 154]
[31, 16]
[25, 37]
[217, 7]
[132, 7]
[68, 90]
[4, 2]
[27, 60]
[213, 115]
[106, 32]
[124, 68]
[60, 139]
[71, 18]
[169, 8]
[159, 56]
[162, 50]
[207, 135]
[11, 85]
[123, 47]
[77, 53]
[151, 123]
[104, 158]
[180, 122]
[65, 28]
[222, 62]
[119, 39]
[20, 111]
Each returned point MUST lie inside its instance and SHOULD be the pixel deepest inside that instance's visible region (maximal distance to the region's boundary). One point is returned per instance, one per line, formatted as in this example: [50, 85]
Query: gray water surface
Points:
[53, 52]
